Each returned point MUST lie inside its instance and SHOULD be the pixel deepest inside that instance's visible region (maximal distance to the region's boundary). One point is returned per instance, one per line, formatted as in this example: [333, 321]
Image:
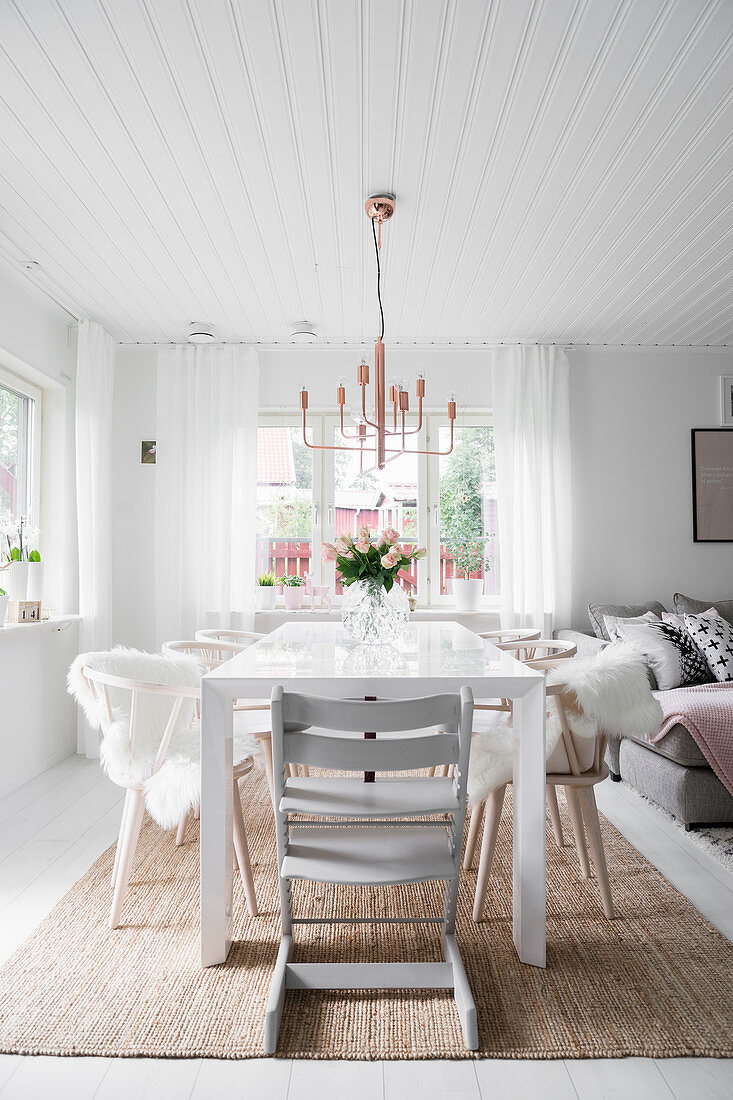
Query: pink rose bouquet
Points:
[378, 560]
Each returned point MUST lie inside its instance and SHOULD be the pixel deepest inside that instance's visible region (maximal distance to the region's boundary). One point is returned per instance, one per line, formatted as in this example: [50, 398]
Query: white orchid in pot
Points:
[21, 568]
[374, 608]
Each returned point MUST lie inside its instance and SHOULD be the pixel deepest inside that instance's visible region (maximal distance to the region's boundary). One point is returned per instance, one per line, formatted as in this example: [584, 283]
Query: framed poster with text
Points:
[712, 484]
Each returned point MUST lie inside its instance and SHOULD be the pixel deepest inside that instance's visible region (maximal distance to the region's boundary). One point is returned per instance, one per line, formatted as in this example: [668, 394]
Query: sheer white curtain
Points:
[532, 437]
[206, 489]
[95, 360]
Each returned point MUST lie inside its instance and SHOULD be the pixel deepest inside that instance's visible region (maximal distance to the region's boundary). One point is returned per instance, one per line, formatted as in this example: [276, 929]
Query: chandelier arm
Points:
[414, 431]
[344, 433]
[363, 410]
[325, 446]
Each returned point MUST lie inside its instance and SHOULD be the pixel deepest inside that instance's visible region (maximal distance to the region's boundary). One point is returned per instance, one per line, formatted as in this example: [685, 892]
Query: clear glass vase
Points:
[373, 616]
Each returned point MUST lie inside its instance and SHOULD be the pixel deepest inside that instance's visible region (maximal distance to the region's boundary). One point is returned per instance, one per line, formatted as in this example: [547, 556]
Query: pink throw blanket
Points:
[706, 710]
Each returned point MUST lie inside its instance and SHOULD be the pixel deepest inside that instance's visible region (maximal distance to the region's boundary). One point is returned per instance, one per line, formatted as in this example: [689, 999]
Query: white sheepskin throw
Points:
[607, 691]
[175, 788]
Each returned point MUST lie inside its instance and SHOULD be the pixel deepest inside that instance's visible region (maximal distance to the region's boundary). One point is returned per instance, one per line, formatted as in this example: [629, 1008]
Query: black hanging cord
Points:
[379, 275]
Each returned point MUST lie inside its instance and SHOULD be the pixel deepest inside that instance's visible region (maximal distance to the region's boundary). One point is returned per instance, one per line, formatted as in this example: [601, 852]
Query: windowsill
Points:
[54, 624]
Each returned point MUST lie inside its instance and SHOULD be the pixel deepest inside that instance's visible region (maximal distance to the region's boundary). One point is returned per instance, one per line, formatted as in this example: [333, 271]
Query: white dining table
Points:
[320, 658]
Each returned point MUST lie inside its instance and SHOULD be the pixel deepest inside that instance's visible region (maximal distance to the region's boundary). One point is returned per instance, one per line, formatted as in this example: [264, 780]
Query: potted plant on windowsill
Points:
[266, 592]
[293, 588]
[469, 557]
[22, 570]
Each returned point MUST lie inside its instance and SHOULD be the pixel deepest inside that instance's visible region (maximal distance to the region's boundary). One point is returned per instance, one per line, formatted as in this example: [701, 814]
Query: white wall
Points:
[133, 498]
[631, 414]
[37, 717]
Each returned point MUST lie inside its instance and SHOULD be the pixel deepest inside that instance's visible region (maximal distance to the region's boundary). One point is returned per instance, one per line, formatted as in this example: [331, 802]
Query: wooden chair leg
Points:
[134, 819]
[477, 814]
[120, 837]
[576, 817]
[494, 804]
[266, 746]
[595, 841]
[242, 852]
[554, 812]
[181, 831]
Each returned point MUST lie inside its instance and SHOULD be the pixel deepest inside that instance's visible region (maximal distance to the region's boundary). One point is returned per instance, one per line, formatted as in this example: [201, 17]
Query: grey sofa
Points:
[673, 772]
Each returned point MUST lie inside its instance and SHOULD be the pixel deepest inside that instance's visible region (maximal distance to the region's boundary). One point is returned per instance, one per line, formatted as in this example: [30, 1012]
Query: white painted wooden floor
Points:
[53, 828]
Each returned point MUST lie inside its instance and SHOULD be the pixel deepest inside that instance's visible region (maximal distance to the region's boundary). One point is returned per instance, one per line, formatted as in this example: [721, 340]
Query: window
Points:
[18, 402]
[306, 496]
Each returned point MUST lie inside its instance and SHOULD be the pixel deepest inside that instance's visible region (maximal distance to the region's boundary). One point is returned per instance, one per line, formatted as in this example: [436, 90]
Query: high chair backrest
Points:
[295, 714]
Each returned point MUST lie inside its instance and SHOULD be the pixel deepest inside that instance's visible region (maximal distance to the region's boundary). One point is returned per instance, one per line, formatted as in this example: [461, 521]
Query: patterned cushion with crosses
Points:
[713, 635]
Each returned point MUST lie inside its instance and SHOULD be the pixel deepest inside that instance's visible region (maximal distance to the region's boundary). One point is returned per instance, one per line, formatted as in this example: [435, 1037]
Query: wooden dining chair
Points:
[118, 697]
[543, 654]
[578, 782]
[396, 830]
[252, 717]
[242, 638]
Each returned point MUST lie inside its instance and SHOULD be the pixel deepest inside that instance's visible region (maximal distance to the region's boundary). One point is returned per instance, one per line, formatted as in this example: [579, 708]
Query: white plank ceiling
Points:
[562, 168]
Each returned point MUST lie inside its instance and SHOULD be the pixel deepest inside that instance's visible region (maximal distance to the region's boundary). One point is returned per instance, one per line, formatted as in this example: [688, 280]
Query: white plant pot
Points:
[15, 580]
[4, 601]
[266, 597]
[35, 581]
[293, 598]
[467, 594]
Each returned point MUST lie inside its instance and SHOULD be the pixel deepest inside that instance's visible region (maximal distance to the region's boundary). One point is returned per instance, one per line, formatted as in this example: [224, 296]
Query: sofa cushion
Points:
[611, 623]
[713, 635]
[596, 611]
[677, 744]
[685, 605]
[670, 653]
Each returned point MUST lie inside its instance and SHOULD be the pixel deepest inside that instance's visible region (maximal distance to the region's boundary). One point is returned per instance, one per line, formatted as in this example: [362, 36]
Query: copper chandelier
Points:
[373, 436]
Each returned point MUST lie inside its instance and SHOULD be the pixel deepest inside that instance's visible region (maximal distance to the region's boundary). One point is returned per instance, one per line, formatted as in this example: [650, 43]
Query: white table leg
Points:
[216, 823]
[529, 896]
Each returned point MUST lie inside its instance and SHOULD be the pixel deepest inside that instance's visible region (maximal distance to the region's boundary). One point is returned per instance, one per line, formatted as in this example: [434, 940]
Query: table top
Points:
[320, 657]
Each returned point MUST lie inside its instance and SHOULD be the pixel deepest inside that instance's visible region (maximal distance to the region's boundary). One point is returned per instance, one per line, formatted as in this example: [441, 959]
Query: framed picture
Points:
[712, 485]
[726, 400]
[147, 451]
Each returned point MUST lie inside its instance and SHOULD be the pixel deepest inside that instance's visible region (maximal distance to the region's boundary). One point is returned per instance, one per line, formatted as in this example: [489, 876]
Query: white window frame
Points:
[323, 423]
[275, 418]
[16, 384]
[476, 418]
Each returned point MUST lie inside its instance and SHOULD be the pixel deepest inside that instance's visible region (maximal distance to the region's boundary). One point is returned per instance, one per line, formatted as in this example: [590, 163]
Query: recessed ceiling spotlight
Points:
[199, 332]
[303, 332]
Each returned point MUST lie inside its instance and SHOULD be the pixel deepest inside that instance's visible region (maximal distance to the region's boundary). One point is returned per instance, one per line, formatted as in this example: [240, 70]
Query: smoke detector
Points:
[303, 332]
[199, 332]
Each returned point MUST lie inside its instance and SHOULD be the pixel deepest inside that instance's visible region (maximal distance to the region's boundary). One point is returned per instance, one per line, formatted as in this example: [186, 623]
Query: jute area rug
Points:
[655, 982]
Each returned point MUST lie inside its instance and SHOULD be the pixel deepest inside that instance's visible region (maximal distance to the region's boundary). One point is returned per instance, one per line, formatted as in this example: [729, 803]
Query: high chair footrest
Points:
[370, 855]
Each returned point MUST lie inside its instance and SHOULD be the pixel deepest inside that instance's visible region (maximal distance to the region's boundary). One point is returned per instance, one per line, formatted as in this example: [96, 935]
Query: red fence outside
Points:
[287, 556]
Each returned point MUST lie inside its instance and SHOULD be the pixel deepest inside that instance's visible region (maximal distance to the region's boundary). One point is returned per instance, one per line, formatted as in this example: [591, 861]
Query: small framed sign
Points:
[726, 400]
[147, 452]
[712, 484]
